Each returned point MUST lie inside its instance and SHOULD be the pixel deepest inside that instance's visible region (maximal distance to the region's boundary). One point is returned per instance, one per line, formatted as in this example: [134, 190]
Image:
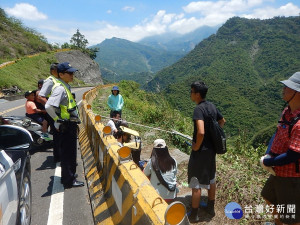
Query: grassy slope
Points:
[27, 71]
[16, 40]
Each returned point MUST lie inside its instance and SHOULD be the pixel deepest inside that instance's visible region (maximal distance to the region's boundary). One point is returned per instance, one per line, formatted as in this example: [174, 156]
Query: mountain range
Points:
[242, 64]
[176, 42]
[121, 59]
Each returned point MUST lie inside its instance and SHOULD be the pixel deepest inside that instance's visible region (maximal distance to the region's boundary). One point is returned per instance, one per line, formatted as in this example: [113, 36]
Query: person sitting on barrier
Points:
[122, 137]
[34, 113]
[114, 121]
[162, 170]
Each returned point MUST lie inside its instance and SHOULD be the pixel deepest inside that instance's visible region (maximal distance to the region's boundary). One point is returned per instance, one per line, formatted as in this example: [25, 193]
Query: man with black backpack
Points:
[202, 162]
[283, 187]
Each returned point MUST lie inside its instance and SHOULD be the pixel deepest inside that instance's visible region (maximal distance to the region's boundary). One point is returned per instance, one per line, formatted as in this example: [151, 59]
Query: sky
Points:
[97, 20]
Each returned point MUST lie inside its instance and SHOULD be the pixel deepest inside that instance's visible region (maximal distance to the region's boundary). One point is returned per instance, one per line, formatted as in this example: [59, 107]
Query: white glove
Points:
[267, 168]
[56, 124]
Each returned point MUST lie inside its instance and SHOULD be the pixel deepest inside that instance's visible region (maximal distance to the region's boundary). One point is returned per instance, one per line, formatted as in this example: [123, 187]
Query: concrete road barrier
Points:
[119, 191]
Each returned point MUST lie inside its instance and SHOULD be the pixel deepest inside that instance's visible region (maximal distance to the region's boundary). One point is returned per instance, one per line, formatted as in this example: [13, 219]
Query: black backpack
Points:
[217, 134]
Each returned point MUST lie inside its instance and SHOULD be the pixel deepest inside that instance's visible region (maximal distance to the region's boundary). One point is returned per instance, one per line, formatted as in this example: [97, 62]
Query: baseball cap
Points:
[65, 67]
[293, 82]
[27, 93]
[159, 143]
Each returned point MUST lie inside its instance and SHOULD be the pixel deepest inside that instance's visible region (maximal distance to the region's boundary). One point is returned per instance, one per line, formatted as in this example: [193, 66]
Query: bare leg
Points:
[196, 196]
[277, 220]
[212, 192]
[44, 126]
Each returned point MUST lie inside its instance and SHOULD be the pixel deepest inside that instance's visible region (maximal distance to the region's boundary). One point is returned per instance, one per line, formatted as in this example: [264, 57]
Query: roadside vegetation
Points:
[16, 40]
[239, 175]
[26, 72]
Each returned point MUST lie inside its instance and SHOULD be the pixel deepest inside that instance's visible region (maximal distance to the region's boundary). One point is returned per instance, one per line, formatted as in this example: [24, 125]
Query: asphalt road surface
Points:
[51, 204]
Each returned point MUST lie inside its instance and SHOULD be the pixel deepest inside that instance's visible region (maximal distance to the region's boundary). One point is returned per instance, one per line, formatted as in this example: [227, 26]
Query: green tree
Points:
[65, 45]
[78, 40]
[92, 52]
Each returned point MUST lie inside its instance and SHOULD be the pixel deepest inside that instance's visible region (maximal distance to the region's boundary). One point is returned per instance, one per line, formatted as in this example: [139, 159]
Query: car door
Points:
[8, 190]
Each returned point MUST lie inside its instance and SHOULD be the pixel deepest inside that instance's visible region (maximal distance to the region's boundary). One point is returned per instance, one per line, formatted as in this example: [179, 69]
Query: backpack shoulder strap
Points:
[160, 177]
[292, 123]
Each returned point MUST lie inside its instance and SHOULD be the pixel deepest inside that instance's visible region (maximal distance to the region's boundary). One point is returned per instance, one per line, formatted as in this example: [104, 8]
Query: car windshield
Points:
[11, 137]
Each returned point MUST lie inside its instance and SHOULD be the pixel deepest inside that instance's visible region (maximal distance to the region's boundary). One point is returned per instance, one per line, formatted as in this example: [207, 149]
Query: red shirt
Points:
[282, 142]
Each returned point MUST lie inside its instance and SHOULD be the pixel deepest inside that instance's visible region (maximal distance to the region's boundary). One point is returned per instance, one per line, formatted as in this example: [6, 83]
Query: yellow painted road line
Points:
[12, 109]
[18, 107]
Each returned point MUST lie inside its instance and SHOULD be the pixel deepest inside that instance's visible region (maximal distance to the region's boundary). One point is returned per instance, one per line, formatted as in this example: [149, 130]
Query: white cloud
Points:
[194, 15]
[209, 7]
[25, 11]
[128, 8]
[269, 12]
[109, 11]
[211, 15]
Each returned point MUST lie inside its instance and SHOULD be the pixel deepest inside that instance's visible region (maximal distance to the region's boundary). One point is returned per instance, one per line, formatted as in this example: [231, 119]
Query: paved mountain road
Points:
[70, 206]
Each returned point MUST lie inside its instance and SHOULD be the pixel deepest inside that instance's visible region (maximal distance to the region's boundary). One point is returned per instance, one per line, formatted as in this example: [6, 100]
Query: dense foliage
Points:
[242, 65]
[16, 40]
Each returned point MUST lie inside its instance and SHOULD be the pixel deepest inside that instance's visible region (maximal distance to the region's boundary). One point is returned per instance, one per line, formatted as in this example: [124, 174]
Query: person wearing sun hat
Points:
[115, 101]
[283, 186]
[162, 170]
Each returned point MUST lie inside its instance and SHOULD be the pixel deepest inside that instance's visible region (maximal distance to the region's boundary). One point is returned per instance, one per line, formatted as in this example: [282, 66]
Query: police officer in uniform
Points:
[43, 96]
[62, 107]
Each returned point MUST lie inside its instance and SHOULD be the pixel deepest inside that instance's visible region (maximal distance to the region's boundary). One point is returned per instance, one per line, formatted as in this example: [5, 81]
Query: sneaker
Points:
[193, 216]
[46, 136]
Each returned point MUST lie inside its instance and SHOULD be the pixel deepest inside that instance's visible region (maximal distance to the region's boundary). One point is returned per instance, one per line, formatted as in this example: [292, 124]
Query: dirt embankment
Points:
[88, 69]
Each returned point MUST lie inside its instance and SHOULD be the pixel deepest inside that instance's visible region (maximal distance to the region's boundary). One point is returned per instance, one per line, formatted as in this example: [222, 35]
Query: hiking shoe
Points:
[210, 209]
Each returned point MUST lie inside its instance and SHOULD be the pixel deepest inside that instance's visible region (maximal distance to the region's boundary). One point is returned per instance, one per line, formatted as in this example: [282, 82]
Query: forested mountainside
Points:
[121, 59]
[16, 40]
[242, 64]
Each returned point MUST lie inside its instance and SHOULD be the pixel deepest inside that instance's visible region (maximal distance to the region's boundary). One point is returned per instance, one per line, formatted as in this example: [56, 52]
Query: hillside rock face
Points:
[88, 70]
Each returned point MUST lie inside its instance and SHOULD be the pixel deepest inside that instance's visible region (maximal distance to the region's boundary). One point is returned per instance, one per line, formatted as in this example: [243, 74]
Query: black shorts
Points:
[284, 191]
[36, 117]
[202, 165]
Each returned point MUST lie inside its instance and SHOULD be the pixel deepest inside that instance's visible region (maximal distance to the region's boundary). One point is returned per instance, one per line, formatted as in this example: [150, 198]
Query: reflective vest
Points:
[56, 83]
[71, 105]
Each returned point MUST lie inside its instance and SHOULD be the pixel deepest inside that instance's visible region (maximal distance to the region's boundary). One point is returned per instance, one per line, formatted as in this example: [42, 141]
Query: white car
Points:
[8, 190]
[15, 172]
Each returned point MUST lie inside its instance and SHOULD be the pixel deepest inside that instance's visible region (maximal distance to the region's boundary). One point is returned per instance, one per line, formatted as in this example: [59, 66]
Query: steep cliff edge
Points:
[88, 70]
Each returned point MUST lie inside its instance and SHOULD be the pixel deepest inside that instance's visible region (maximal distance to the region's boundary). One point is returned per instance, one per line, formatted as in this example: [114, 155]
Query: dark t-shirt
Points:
[202, 112]
[202, 163]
